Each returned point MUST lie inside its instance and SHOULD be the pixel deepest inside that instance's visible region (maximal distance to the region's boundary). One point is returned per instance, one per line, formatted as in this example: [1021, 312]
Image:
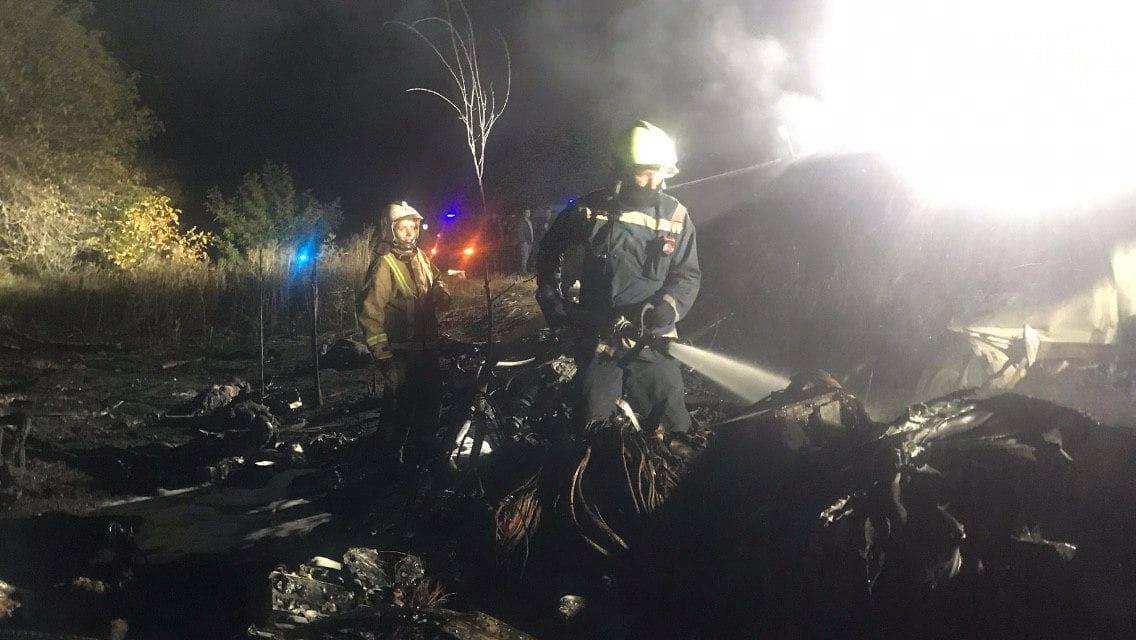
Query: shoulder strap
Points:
[427, 267]
[396, 273]
[676, 221]
[679, 215]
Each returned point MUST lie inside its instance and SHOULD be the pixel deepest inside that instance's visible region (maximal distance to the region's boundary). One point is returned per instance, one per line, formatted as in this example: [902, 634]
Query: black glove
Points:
[438, 297]
[658, 316]
[553, 306]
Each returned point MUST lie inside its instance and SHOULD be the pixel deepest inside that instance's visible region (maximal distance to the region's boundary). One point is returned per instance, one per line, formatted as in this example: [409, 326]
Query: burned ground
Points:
[164, 496]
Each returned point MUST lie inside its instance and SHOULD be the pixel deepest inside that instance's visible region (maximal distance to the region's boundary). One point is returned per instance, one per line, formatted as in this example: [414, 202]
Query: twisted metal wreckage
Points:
[799, 514]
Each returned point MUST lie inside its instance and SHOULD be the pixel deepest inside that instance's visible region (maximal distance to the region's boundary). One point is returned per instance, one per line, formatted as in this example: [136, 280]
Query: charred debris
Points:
[798, 516]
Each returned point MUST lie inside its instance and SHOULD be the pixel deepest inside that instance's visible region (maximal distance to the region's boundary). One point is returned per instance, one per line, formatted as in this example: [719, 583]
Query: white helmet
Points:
[392, 215]
[400, 210]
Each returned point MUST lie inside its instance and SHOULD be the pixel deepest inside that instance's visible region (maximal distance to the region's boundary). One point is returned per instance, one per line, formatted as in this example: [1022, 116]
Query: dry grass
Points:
[176, 305]
[172, 303]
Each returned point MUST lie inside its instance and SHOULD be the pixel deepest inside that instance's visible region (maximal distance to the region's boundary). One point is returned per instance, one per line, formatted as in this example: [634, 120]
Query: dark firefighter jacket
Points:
[632, 255]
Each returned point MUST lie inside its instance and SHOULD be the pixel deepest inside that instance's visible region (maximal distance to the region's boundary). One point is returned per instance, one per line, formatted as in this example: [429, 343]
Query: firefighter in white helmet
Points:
[398, 311]
[640, 266]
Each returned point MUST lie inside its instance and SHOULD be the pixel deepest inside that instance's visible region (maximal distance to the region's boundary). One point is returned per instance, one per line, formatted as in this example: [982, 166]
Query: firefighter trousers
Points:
[414, 399]
[650, 382]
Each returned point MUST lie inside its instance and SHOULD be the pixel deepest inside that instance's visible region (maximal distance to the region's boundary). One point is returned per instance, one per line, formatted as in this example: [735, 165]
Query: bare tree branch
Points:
[461, 113]
[474, 100]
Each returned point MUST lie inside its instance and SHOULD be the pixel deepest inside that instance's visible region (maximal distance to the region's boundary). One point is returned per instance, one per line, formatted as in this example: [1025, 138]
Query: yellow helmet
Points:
[645, 145]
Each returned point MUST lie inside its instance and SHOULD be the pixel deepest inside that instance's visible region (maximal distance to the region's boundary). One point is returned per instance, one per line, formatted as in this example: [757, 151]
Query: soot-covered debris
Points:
[8, 601]
[369, 594]
[966, 517]
[799, 516]
[345, 355]
[216, 397]
[230, 432]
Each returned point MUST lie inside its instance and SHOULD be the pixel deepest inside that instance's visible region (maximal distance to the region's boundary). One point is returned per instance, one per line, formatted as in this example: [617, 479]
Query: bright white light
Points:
[1014, 104]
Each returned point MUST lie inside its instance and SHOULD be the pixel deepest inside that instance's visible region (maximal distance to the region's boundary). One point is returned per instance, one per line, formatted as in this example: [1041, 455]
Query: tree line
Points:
[72, 190]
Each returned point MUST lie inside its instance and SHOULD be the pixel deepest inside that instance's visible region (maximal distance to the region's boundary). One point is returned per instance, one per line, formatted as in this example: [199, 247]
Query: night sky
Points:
[320, 85]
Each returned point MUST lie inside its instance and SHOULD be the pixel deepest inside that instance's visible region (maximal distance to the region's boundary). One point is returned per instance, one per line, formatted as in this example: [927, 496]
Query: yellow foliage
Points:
[148, 231]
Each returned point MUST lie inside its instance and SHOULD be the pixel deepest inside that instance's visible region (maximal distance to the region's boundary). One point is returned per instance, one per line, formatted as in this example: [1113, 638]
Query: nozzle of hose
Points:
[662, 344]
[624, 329]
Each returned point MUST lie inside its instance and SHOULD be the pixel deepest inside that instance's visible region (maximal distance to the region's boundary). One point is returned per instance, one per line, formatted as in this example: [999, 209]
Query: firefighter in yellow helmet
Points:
[640, 266]
[398, 311]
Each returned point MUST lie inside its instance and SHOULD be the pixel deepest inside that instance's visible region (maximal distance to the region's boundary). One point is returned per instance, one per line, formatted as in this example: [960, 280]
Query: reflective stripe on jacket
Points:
[391, 310]
[630, 255]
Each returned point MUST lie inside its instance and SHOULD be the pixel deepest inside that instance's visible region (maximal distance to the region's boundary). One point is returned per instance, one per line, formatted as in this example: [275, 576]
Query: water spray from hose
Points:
[749, 382]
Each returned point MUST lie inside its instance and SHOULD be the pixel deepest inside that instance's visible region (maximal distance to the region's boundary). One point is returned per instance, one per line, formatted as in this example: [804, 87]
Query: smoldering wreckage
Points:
[796, 516]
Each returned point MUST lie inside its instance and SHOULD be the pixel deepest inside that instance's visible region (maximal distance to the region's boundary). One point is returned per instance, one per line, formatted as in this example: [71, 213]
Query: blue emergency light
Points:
[306, 253]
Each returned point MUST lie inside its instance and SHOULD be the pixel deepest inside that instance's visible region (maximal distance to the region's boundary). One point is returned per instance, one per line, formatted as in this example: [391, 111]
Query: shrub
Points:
[69, 126]
[267, 210]
[148, 231]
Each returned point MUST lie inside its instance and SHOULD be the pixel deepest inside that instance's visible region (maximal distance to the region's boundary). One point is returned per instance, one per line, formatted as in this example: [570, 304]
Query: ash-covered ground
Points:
[164, 497]
[152, 489]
